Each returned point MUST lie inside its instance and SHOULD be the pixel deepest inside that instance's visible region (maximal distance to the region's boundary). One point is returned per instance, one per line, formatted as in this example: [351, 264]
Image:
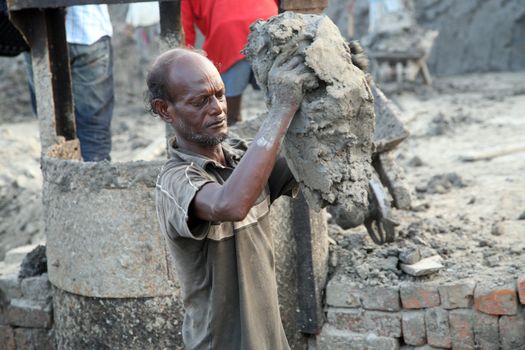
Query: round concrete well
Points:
[107, 258]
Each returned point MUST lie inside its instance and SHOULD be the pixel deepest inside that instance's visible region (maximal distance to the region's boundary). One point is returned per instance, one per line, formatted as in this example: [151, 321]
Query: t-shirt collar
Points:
[231, 154]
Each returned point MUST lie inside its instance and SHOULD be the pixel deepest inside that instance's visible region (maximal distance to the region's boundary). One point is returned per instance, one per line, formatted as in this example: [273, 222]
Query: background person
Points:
[225, 25]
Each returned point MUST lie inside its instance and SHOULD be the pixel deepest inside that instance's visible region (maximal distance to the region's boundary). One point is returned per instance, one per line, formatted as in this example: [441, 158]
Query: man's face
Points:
[199, 106]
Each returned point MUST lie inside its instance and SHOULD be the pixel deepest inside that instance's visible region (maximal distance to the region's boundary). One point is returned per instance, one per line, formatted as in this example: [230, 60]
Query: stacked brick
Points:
[25, 313]
[459, 315]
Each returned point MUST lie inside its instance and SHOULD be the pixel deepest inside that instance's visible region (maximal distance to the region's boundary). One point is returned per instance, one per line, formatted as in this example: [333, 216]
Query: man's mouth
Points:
[217, 123]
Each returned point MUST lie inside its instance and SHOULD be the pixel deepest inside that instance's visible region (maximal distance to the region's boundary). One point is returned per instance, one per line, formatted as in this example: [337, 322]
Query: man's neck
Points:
[212, 152]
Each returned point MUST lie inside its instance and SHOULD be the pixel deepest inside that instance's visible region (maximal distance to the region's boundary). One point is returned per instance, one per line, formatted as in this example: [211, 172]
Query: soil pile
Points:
[329, 143]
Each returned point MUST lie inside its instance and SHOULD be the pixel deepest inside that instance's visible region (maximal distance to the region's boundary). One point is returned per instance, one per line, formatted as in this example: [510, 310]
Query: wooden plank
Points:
[15, 5]
[493, 153]
[45, 33]
[303, 6]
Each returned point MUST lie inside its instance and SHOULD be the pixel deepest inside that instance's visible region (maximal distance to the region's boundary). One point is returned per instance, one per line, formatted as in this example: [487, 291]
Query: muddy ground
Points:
[469, 212]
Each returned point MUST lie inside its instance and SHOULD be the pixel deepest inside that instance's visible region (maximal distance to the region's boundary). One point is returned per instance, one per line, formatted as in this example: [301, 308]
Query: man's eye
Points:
[220, 94]
[200, 102]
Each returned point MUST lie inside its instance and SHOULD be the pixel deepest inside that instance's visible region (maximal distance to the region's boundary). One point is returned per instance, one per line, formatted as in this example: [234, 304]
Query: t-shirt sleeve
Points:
[281, 181]
[175, 189]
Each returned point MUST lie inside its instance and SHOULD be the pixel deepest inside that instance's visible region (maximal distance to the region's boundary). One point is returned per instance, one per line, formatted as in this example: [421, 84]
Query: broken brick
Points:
[486, 331]
[512, 332]
[457, 295]
[419, 296]
[496, 300]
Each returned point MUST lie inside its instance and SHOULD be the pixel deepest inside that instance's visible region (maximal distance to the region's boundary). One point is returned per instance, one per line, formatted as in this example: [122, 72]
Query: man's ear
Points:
[161, 107]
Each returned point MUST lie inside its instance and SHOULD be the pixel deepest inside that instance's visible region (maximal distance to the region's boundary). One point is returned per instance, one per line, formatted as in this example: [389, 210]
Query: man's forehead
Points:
[194, 72]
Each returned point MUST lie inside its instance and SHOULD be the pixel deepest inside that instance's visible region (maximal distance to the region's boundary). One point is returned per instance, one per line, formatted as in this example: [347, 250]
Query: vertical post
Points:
[171, 33]
[307, 315]
[46, 34]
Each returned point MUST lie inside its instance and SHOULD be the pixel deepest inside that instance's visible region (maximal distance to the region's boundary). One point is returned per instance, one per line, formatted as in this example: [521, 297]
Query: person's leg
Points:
[234, 109]
[92, 80]
[235, 80]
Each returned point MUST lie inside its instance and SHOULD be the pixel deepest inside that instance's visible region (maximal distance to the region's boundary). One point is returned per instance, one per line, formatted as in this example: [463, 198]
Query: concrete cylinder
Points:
[106, 257]
[113, 276]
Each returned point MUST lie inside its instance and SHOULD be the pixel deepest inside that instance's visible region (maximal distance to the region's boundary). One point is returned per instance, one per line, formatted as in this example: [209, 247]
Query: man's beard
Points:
[201, 139]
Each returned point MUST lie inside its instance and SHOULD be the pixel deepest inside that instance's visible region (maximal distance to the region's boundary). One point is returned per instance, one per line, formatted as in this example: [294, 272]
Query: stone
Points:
[381, 298]
[34, 263]
[413, 326]
[36, 288]
[457, 295]
[424, 267]
[16, 255]
[29, 313]
[486, 331]
[335, 339]
[521, 288]
[34, 339]
[409, 255]
[419, 295]
[512, 332]
[386, 324]
[438, 331]
[9, 288]
[496, 299]
[7, 338]
[462, 329]
[342, 294]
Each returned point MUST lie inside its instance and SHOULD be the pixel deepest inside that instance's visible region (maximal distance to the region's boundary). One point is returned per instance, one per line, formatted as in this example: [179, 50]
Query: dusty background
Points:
[473, 218]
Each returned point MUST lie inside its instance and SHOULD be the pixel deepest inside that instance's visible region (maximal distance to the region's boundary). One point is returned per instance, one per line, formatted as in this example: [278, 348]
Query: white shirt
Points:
[143, 14]
[85, 24]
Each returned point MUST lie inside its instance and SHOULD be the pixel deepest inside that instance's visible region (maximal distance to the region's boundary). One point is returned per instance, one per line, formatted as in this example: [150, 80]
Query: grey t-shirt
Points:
[226, 269]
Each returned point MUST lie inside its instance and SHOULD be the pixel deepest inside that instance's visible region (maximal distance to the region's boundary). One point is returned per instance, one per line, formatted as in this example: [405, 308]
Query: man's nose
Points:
[216, 106]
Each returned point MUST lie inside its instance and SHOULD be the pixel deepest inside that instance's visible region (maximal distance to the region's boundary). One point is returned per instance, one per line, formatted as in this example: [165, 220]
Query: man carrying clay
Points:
[213, 198]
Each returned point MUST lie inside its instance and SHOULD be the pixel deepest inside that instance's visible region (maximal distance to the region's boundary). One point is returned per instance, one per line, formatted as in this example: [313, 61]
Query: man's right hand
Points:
[286, 81]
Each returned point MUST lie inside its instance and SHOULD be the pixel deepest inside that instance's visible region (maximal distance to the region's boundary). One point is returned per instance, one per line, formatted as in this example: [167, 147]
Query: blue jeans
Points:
[93, 96]
[237, 78]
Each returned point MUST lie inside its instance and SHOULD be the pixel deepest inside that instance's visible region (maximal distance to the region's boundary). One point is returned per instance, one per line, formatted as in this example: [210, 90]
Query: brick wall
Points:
[423, 315]
[26, 314]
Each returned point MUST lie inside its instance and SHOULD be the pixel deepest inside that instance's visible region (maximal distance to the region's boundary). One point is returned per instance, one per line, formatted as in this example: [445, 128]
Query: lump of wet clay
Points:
[330, 141]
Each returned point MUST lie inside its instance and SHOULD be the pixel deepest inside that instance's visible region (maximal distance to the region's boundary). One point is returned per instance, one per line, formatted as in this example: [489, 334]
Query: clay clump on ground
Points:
[330, 141]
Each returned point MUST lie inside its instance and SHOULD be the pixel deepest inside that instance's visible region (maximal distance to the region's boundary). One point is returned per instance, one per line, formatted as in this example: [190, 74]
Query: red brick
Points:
[7, 338]
[419, 296]
[486, 331]
[413, 325]
[457, 295]
[461, 329]
[512, 332]
[438, 331]
[521, 288]
[384, 324]
[496, 300]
